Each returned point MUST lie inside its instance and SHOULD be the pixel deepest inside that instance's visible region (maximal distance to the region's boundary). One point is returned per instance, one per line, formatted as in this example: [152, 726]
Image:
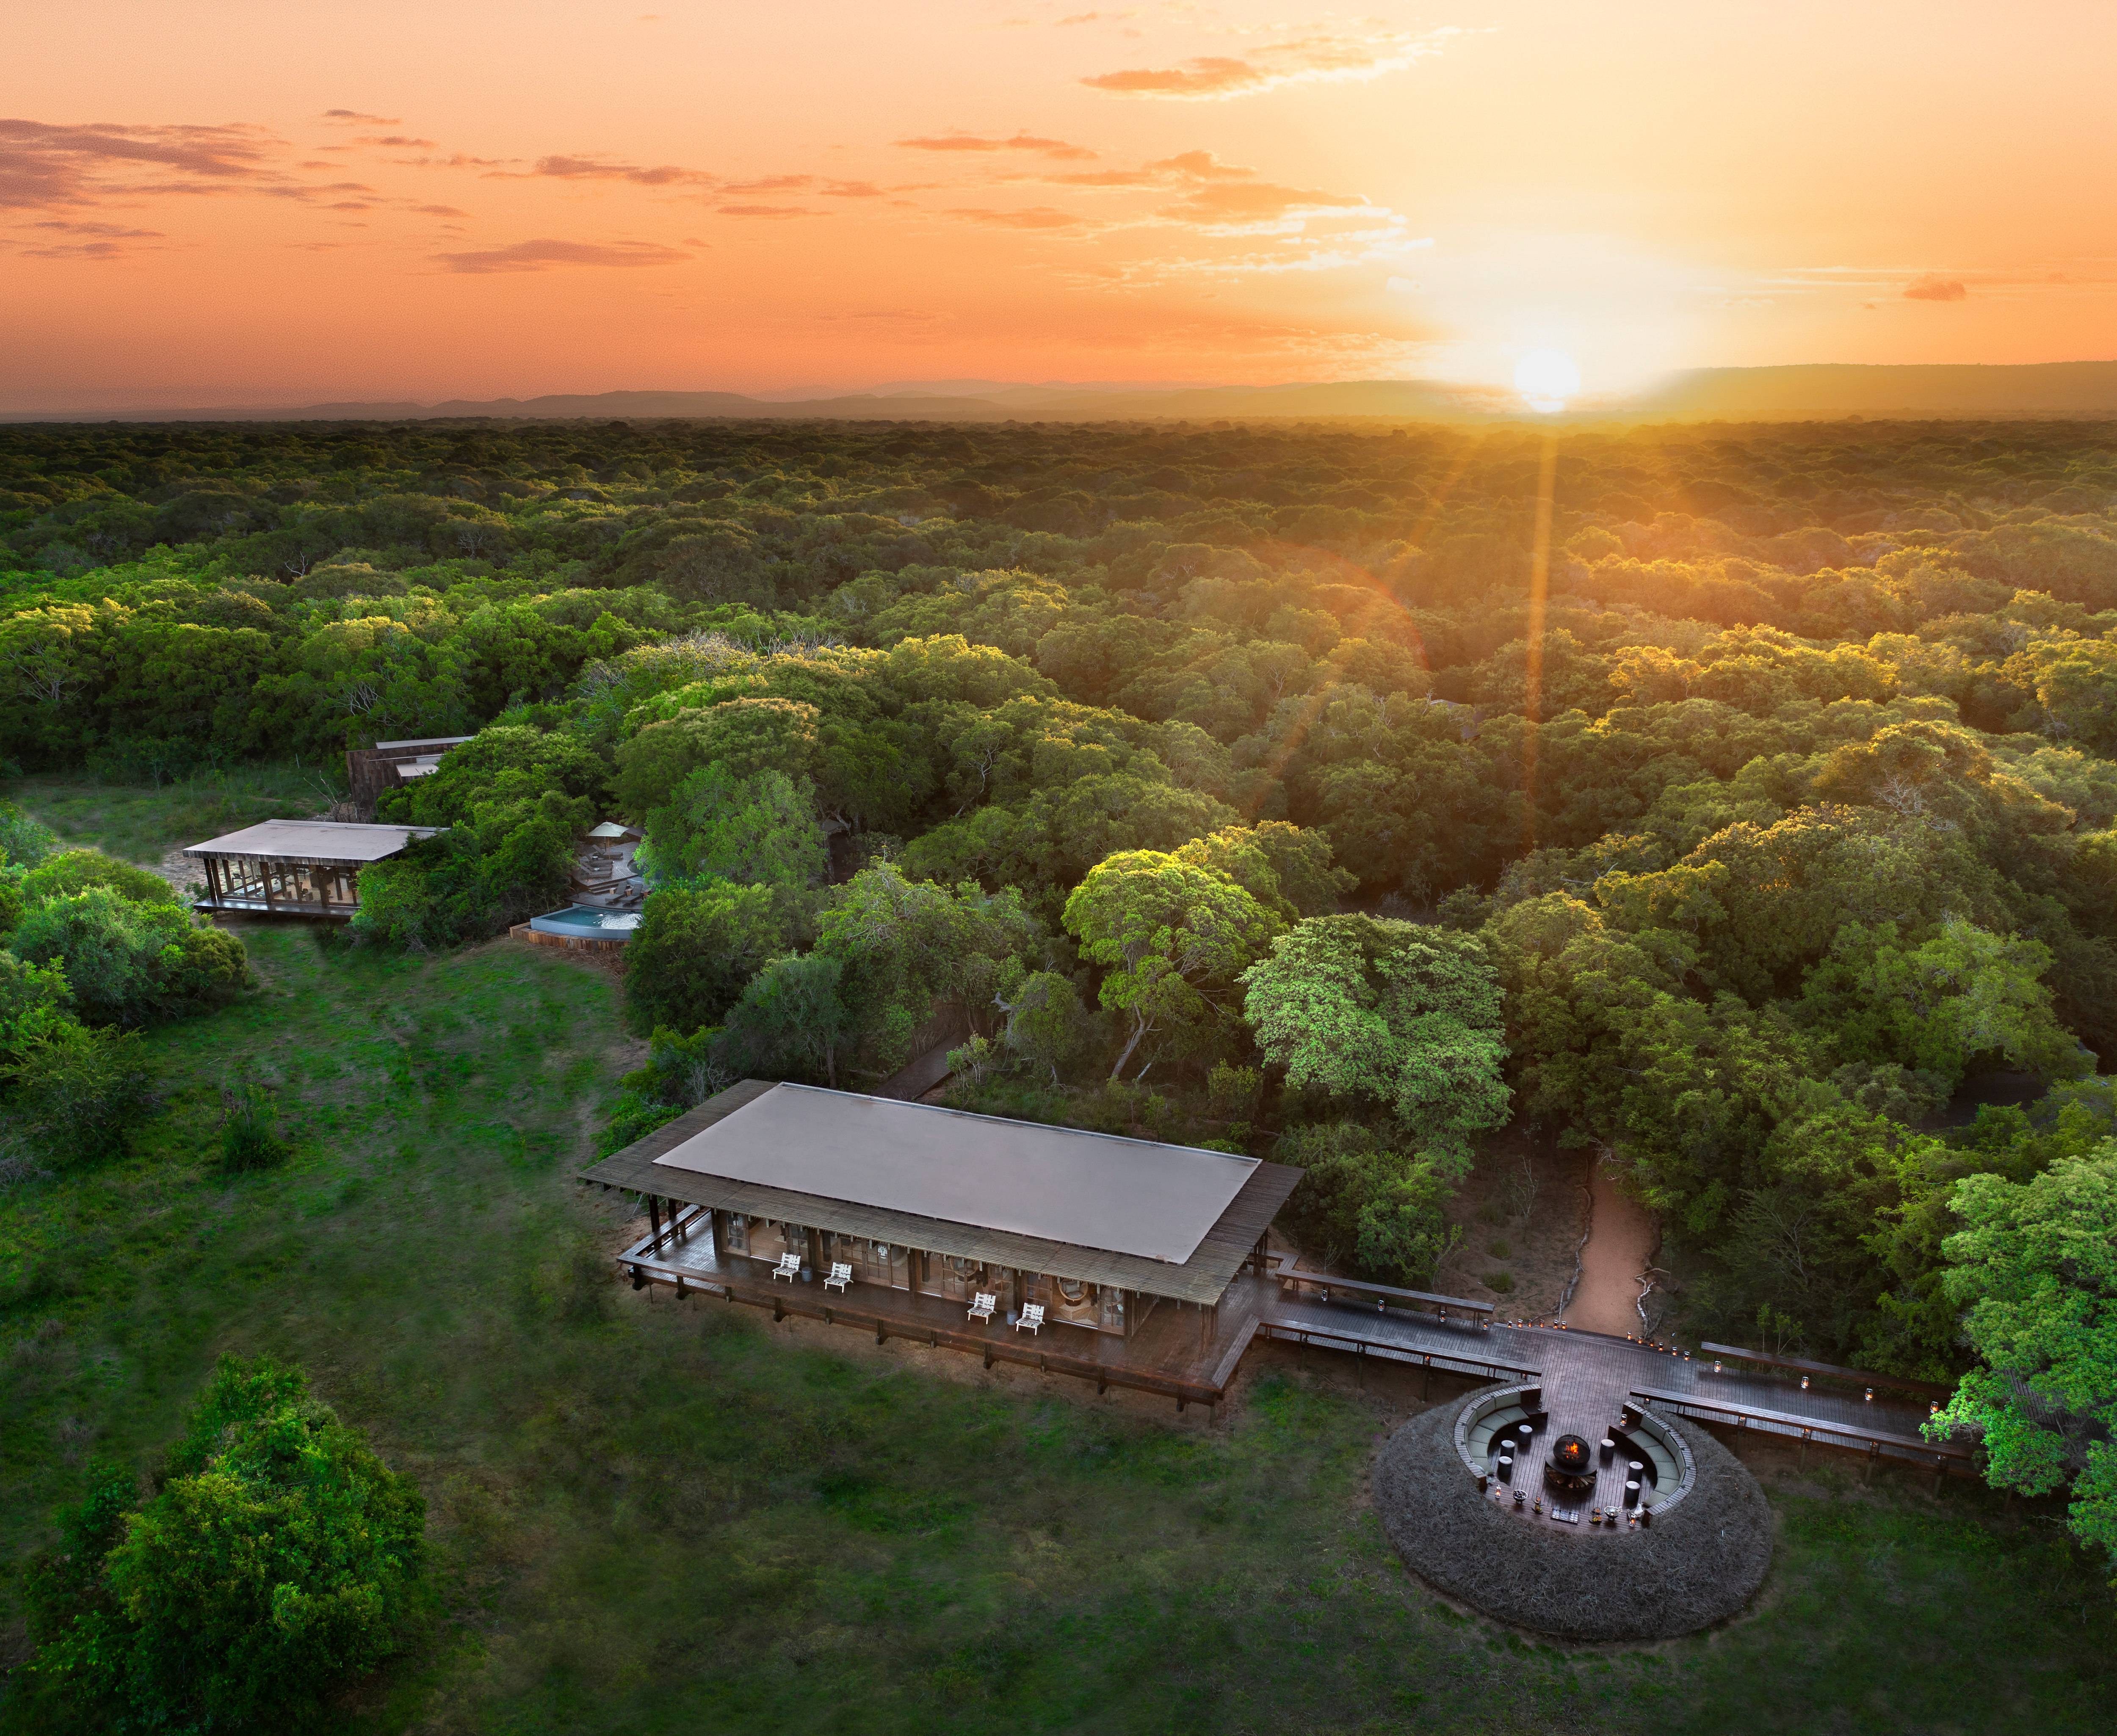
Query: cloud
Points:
[354, 117]
[1319, 59]
[963, 141]
[47, 165]
[1200, 165]
[1934, 287]
[767, 210]
[639, 174]
[546, 255]
[395, 141]
[1036, 217]
[439, 210]
[1237, 207]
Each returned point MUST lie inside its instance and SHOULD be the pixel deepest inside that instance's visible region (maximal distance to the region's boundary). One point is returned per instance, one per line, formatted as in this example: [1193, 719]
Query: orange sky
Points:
[231, 202]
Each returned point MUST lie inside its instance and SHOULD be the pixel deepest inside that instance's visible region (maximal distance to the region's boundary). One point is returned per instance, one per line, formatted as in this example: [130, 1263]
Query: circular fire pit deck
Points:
[1698, 1558]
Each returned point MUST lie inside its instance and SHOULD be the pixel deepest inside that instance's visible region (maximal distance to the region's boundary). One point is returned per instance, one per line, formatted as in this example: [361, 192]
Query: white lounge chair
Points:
[841, 1275]
[1032, 1317]
[789, 1267]
[982, 1308]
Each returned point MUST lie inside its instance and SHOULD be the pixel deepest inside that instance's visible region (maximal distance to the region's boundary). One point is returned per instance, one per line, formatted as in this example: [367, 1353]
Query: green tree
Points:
[1364, 1205]
[1374, 1010]
[695, 948]
[759, 830]
[791, 1020]
[277, 1558]
[1172, 938]
[2035, 1269]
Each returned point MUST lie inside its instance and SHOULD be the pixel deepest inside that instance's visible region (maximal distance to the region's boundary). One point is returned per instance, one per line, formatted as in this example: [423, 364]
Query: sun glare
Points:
[1546, 379]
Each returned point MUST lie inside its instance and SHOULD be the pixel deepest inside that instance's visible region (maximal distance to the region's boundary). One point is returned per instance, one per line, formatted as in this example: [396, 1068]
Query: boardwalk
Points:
[1192, 1354]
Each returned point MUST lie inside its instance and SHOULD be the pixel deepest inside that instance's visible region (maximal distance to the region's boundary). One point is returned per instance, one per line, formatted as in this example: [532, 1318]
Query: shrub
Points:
[249, 1129]
[278, 1558]
[1360, 1205]
[76, 1093]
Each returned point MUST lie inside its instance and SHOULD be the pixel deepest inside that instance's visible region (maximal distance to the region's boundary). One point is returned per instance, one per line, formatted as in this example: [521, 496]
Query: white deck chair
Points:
[789, 1267]
[1032, 1317]
[981, 1309]
[841, 1275]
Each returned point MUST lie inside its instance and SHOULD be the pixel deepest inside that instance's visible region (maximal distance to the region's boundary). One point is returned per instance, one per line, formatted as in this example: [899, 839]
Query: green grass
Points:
[143, 823]
[662, 1517]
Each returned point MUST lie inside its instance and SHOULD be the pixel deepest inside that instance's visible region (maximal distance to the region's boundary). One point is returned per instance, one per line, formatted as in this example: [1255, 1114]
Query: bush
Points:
[77, 1093]
[128, 962]
[278, 1558]
[249, 1129]
[1362, 1205]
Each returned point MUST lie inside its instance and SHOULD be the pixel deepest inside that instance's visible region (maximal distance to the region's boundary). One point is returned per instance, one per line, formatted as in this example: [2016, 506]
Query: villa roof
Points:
[1171, 1220]
[324, 842]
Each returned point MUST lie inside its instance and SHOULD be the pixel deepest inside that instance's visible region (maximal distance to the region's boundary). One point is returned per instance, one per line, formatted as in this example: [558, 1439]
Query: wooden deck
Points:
[1191, 1353]
[1180, 1352]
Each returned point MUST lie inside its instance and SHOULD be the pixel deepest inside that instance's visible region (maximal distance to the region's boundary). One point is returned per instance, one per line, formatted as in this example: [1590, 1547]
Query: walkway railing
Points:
[1942, 1455]
[1363, 1348]
[1858, 1377]
[1353, 1293]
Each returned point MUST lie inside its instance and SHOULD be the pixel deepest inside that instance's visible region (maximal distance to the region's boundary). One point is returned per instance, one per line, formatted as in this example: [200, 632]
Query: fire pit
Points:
[1571, 1469]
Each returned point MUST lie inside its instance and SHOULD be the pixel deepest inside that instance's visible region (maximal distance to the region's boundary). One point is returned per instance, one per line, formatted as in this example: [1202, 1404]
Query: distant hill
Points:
[1812, 392]
[2061, 388]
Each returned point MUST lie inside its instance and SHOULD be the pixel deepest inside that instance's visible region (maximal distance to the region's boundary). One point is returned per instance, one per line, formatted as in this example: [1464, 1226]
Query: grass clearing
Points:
[143, 823]
[655, 1516]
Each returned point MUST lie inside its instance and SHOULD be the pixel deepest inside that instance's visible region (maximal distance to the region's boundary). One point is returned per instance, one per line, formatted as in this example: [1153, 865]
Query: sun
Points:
[1546, 379]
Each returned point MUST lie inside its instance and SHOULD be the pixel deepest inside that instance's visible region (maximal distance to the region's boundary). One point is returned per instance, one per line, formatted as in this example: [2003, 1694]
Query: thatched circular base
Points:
[1698, 1566]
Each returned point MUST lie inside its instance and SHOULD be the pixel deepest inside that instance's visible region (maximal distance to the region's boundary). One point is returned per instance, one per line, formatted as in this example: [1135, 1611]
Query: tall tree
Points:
[1172, 939]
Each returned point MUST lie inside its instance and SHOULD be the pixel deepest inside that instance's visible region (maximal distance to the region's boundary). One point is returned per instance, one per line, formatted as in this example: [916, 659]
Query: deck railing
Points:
[1380, 1298]
[1942, 1456]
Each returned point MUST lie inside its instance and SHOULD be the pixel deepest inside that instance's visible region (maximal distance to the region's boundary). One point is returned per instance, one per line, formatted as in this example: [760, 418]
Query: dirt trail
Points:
[1620, 1244]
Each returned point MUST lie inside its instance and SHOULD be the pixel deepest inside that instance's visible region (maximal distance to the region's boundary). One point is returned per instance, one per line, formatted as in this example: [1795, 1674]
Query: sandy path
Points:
[1620, 1243]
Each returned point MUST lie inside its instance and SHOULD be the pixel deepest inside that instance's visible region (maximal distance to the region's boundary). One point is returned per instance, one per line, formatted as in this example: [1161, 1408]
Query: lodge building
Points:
[294, 867]
[1128, 1246]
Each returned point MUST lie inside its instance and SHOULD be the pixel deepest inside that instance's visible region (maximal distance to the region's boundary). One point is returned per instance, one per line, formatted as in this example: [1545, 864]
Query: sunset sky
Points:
[232, 201]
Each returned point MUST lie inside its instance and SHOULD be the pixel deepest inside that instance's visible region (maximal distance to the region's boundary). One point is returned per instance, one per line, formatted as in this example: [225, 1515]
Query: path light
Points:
[1716, 1364]
[1933, 1409]
[1870, 1395]
[1804, 1382]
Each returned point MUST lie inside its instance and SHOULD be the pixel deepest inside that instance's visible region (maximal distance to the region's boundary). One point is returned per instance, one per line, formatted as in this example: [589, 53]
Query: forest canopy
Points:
[1741, 814]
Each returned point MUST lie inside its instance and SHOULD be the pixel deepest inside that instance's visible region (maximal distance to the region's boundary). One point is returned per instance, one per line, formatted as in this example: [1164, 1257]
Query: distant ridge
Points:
[1820, 391]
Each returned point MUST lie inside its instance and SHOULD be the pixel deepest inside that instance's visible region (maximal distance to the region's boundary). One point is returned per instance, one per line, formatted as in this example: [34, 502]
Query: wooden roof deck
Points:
[1202, 1278]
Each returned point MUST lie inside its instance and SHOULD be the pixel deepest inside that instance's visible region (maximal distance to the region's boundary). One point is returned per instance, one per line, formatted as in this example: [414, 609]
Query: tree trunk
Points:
[1139, 1029]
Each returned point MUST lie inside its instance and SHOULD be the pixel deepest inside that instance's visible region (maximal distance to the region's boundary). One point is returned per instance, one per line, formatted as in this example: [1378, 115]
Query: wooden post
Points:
[654, 1218]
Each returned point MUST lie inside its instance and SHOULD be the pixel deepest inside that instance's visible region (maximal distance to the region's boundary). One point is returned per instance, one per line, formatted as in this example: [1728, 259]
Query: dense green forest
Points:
[1736, 803]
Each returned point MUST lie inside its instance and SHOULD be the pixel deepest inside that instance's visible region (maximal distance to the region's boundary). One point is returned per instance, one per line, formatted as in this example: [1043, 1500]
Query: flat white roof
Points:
[1088, 1190]
[313, 840]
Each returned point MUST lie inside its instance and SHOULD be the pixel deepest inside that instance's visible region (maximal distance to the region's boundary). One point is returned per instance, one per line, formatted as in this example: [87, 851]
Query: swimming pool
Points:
[587, 923]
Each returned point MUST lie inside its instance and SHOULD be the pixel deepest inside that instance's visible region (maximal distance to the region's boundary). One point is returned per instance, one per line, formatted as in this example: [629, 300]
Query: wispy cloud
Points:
[767, 210]
[1036, 217]
[44, 165]
[1247, 207]
[1934, 287]
[1316, 59]
[1058, 149]
[594, 169]
[354, 117]
[547, 256]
